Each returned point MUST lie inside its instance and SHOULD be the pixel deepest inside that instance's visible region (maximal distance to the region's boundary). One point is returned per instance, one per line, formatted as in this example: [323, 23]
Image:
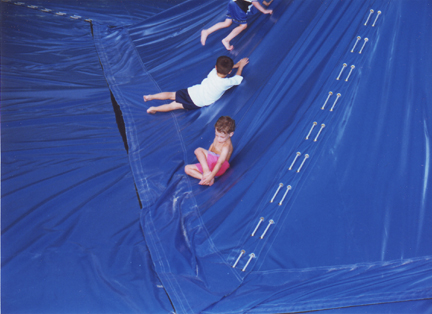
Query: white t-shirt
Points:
[212, 88]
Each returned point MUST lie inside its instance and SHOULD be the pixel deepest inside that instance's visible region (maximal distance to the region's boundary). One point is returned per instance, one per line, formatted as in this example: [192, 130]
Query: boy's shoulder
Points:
[228, 144]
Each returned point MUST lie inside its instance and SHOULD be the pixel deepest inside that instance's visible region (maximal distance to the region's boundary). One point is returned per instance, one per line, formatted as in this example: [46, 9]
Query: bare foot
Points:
[205, 179]
[147, 97]
[209, 183]
[151, 110]
[204, 35]
[227, 44]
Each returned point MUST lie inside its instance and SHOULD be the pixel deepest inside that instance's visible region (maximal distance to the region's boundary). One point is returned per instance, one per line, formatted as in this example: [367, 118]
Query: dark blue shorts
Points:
[182, 96]
[235, 13]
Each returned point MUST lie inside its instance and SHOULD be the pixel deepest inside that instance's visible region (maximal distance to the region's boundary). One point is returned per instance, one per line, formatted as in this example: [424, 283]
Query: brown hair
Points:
[224, 65]
[225, 124]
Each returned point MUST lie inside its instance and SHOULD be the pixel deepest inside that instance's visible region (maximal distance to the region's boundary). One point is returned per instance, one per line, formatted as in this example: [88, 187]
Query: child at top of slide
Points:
[237, 11]
[204, 94]
[214, 161]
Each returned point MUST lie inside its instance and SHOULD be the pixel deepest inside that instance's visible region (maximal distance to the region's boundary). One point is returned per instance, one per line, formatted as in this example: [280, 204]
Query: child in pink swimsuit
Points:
[214, 161]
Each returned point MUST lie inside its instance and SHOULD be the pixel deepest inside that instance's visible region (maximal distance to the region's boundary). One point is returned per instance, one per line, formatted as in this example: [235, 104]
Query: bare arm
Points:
[240, 65]
[260, 8]
[223, 156]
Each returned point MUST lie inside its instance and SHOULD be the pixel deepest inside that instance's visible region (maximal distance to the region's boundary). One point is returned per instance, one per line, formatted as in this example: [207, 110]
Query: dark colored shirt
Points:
[244, 4]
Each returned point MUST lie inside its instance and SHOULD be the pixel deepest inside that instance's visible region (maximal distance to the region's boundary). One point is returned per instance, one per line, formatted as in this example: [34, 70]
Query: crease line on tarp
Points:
[134, 162]
[328, 305]
[141, 181]
[130, 129]
[370, 297]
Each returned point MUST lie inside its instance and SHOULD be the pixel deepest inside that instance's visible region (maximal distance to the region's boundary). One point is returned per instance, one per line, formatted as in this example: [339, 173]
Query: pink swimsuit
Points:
[212, 160]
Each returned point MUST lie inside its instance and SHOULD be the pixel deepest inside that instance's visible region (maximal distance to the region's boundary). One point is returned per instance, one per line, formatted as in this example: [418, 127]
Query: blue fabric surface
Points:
[335, 219]
[71, 237]
[352, 235]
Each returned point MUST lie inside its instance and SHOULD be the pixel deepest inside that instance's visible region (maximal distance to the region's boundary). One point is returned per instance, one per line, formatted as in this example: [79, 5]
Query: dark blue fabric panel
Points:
[71, 236]
[359, 208]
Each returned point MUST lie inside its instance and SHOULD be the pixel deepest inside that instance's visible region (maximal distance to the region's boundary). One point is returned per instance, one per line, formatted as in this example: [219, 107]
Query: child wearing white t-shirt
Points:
[204, 94]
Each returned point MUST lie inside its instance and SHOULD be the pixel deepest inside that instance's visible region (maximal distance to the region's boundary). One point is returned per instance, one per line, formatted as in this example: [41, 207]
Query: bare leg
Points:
[201, 155]
[165, 108]
[192, 171]
[234, 33]
[217, 26]
[160, 96]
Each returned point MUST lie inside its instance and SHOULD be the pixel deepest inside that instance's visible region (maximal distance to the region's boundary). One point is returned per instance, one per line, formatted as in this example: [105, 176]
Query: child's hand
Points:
[242, 62]
[268, 12]
[207, 179]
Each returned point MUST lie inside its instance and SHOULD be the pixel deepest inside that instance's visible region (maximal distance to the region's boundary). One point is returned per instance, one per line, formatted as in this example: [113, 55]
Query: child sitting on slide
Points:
[204, 94]
[214, 161]
[238, 10]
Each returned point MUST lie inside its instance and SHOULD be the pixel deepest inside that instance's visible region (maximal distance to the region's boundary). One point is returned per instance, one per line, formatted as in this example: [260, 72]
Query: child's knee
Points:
[175, 105]
[227, 22]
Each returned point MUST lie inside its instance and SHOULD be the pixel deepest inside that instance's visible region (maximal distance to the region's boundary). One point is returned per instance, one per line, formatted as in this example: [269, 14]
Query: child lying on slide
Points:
[211, 88]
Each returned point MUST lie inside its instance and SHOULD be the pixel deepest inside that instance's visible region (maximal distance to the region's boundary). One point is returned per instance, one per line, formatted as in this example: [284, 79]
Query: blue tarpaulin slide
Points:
[327, 205]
